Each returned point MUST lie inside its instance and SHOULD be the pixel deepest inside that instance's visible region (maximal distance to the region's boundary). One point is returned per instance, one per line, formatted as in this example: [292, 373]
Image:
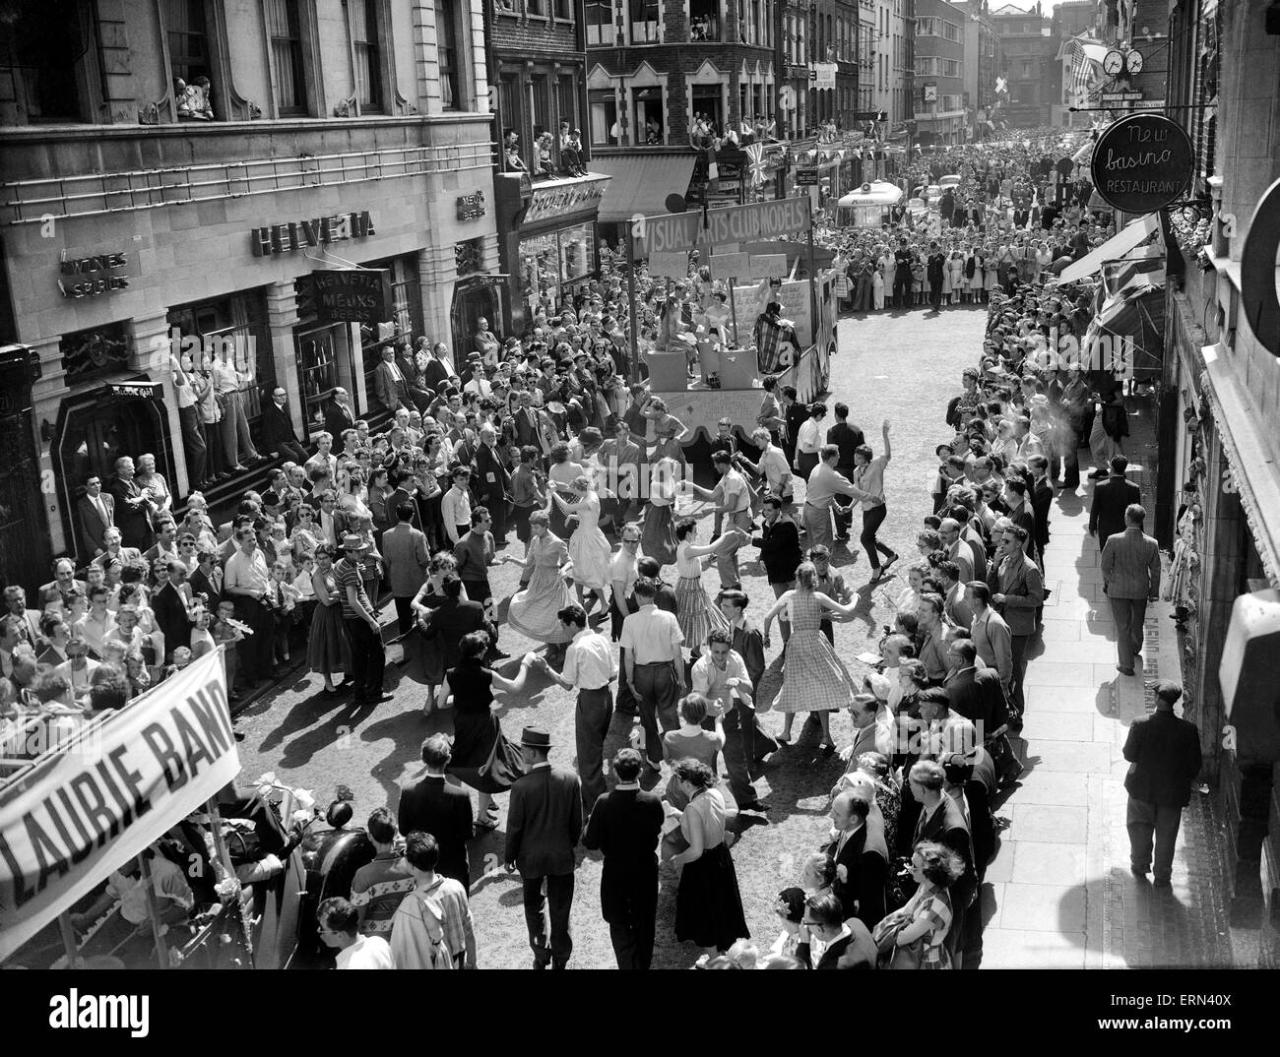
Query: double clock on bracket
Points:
[1117, 62]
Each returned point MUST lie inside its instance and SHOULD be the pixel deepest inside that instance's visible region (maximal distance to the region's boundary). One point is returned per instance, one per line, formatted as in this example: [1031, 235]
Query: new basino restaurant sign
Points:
[1142, 163]
[761, 221]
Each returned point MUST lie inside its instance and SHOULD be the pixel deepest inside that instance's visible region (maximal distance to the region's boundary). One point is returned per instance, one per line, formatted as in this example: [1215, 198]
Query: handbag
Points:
[504, 765]
[1008, 767]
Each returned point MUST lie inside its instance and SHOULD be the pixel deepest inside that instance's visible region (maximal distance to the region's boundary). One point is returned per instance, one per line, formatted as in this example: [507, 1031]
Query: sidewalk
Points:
[1059, 893]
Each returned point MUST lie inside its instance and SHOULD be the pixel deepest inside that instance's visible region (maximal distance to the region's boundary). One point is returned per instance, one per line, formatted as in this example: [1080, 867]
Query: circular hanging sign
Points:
[1142, 163]
[1259, 303]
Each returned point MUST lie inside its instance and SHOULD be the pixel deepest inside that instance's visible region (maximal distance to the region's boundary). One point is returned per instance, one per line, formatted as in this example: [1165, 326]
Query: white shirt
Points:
[773, 464]
[622, 567]
[455, 510]
[588, 662]
[246, 573]
[368, 952]
[808, 438]
[652, 635]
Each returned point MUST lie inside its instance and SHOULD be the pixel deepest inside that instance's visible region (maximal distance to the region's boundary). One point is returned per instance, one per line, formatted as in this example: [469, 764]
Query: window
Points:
[650, 127]
[600, 22]
[604, 129]
[284, 27]
[706, 101]
[540, 110]
[536, 8]
[925, 27]
[188, 40]
[563, 10]
[448, 53]
[368, 55]
[644, 22]
[509, 110]
[51, 73]
[704, 20]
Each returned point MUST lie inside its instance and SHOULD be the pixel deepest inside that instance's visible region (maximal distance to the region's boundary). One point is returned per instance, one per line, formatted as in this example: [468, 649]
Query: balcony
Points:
[88, 170]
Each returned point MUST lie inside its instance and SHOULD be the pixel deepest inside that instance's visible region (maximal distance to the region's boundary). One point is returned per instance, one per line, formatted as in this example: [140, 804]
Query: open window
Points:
[644, 22]
[599, 19]
[605, 130]
[704, 20]
[449, 52]
[52, 51]
[650, 127]
[191, 59]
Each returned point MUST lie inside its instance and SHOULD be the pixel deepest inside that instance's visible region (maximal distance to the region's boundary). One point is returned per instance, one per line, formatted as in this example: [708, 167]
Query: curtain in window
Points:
[364, 41]
[447, 51]
[284, 29]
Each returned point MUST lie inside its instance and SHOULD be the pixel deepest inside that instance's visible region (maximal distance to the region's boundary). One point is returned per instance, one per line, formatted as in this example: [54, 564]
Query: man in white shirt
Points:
[236, 442]
[589, 668]
[245, 582]
[338, 928]
[733, 500]
[721, 677]
[809, 441]
[97, 624]
[654, 666]
[455, 506]
[772, 466]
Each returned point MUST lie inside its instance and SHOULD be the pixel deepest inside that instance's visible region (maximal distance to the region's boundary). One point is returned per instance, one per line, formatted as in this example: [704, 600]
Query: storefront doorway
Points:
[473, 299]
[24, 553]
[96, 428]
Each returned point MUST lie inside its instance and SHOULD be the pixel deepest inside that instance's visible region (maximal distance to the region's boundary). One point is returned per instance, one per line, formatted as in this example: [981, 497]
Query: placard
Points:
[1142, 163]
[731, 266]
[669, 265]
[768, 266]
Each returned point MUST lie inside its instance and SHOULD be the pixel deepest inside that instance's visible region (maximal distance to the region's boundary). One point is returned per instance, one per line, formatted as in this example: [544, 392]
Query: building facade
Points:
[205, 177]
[1029, 64]
[1220, 454]
[1142, 26]
[980, 63]
[939, 73]
[547, 212]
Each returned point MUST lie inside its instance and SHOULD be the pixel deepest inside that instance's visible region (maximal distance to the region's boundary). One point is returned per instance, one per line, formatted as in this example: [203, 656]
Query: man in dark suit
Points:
[433, 805]
[973, 692]
[779, 543]
[848, 439]
[526, 422]
[278, 434]
[389, 383]
[794, 415]
[1041, 501]
[492, 482]
[942, 820]
[544, 825]
[338, 418]
[1130, 580]
[1110, 500]
[1017, 592]
[860, 858]
[625, 825]
[131, 505]
[97, 513]
[436, 373]
[847, 943]
[1164, 758]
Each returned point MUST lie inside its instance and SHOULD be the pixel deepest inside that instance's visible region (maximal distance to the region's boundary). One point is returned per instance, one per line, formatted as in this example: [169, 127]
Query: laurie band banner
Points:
[84, 810]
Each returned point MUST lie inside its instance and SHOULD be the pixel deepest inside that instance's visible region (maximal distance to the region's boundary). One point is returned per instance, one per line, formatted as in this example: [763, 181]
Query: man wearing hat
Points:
[367, 657]
[544, 825]
[1163, 751]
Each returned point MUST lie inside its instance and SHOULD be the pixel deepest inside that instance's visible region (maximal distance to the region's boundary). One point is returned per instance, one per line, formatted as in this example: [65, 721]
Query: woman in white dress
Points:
[955, 278]
[877, 288]
[543, 592]
[588, 548]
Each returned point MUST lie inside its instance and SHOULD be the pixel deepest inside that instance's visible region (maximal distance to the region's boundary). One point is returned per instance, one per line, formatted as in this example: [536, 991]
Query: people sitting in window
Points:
[543, 165]
[195, 100]
[700, 28]
[571, 150]
[652, 132]
[511, 153]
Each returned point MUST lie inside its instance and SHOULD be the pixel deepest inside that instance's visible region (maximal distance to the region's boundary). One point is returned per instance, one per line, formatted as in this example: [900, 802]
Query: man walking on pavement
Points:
[654, 663]
[721, 677]
[588, 668]
[1130, 579]
[1111, 498]
[1164, 758]
[625, 825]
[544, 825]
[404, 548]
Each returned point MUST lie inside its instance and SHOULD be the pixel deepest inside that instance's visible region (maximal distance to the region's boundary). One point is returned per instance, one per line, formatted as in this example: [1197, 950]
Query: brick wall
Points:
[527, 37]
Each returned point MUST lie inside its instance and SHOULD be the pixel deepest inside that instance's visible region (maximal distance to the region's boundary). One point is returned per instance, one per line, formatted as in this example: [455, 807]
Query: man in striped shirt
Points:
[379, 886]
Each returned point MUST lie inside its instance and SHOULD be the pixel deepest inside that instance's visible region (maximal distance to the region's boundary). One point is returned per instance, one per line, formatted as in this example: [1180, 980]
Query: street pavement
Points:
[1059, 892]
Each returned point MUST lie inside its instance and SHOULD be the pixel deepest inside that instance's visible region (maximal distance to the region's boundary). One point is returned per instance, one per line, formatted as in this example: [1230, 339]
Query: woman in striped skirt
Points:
[694, 611]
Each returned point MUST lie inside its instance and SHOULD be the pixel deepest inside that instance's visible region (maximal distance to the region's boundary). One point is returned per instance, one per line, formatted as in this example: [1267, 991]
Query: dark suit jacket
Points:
[866, 862]
[1041, 504]
[846, 438]
[435, 373]
[947, 826]
[795, 417]
[625, 825]
[486, 463]
[277, 426]
[92, 527]
[132, 521]
[779, 545]
[544, 822]
[976, 694]
[200, 585]
[1110, 498]
[391, 394]
[452, 620]
[434, 806]
[748, 643]
[1164, 752]
[337, 419]
[526, 420]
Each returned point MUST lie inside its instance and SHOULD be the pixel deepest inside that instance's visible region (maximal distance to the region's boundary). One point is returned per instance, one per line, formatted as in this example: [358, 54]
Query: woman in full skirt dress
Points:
[560, 478]
[816, 679]
[544, 593]
[708, 903]
[482, 757]
[589, 550]
[426, 653]
[694, 611]
[328, 648]
[658, 534]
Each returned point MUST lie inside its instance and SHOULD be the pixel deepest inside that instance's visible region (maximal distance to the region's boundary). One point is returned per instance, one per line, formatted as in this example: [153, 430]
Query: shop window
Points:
[288, 74]
[644, 22]
[599, 16]
[322, 367]
[449, 51]
[364, 16]
[649, 116]
[406, 321]
[52, 83]
[190, 57]
[552, 264]
[604, 130]
[90, 354]
[704, 20]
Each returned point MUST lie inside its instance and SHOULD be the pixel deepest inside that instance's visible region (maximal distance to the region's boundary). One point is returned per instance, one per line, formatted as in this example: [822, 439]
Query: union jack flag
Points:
[755, 161]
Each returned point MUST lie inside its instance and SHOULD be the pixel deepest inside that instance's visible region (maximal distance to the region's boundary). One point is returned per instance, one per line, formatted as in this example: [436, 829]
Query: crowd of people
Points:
[541, 439]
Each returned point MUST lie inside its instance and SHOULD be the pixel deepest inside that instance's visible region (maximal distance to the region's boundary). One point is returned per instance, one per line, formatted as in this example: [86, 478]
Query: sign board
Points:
[767, 266]
[1258, 301]
[669, 233]
[794, 298]
[471, 206]
[1121, 97]
[349, 295]
[758, 222]
[139, 390]
[807, 176]
[824, 75]
[930, 93]
[669, 265]
[94, 802]
[1142, 163]
[90, 276]
[731, 266]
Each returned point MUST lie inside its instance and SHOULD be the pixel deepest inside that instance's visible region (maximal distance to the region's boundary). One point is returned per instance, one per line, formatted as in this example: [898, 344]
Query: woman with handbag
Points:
[483, 757]
[913, 937]
[708, 904]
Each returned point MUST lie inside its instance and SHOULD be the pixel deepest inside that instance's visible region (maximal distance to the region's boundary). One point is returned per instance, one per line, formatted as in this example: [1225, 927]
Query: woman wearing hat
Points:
[483, 757]
[588, 548]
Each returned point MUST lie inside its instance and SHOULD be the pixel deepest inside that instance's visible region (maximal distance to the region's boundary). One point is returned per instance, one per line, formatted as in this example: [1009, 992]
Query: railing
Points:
[94, 194]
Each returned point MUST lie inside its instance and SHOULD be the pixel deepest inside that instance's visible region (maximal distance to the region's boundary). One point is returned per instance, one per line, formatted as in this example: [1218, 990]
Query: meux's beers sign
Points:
[318, 231]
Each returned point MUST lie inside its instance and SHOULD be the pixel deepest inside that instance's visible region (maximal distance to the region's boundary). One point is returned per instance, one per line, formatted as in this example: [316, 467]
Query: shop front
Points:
[547, 233]
[24, 554]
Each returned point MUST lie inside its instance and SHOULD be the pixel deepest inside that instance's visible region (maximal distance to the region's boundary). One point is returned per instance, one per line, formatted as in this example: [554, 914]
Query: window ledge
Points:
[188, 129]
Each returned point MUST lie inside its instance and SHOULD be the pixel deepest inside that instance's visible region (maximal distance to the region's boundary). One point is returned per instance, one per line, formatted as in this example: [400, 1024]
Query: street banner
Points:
[759, 221]
[90, 805]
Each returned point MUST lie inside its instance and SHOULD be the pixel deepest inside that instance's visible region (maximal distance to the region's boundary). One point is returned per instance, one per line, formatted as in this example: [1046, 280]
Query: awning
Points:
[1113, 249]
[641, 183]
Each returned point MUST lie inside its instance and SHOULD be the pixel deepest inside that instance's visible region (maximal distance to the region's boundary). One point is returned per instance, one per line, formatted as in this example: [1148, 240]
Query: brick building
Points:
[981, 60]
[1030, 64]
[939, 72]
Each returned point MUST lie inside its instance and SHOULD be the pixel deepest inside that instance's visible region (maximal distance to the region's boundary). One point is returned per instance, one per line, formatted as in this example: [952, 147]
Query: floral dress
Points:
[816, 678]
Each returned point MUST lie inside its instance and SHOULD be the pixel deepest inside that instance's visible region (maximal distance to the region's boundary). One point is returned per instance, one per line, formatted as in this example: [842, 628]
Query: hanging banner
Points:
[98, 798]
[758, 222]
[826, 75]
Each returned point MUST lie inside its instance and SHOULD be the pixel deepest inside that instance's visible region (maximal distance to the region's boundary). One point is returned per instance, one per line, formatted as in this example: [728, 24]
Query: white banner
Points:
[826, 78]
[84, 810]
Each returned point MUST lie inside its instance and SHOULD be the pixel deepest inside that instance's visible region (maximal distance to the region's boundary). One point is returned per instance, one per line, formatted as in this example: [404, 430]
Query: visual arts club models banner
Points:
[83, 811]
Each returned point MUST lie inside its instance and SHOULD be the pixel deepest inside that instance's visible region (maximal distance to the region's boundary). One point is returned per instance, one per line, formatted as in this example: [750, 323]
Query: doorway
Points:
[474, 299]
[24, 546]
